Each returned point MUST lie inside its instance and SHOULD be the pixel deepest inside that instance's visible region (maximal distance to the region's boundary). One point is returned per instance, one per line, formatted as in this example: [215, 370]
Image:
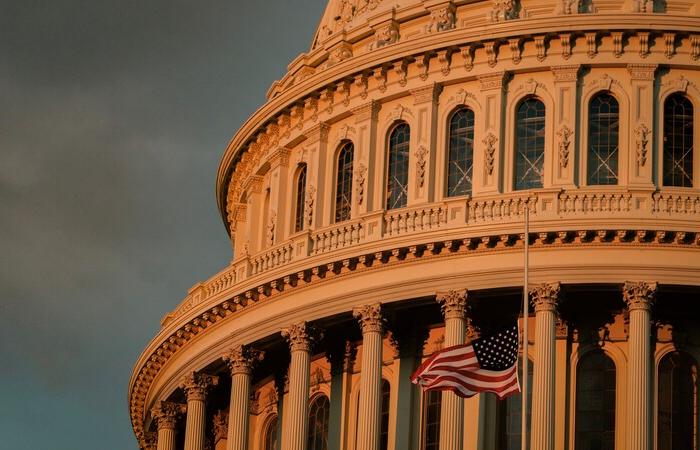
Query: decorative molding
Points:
[241, 359]
[367, 111]
[502, 10]
[453, 303]
[565, 73]
[491, 48]
[545, 296]
[639, 294]
[467, 53]
[695, 47]
[362, 84]
[565, 39]
[565, 133]
[379, 76]
[442, 18]
[360, 174]
[568, 7]
[642, 133]
[541, 47]
[429, 93]
[398, 113]
[370, 318]
[643, 37]
[461, 96]
[489, 151]
[592, 43]
[300, 336]
[317, 133]
[444, 58]
[401, 69]
[386, 35]
[270, 229]
[643, 6]
[196, 385]
[309, 200]
[423, 65]
[344, 133]
[339, 53]
[516, 49]
[492, 81]
[670, 44]
[642, 72]
[420, 155]
[280, 157]
[617, 38]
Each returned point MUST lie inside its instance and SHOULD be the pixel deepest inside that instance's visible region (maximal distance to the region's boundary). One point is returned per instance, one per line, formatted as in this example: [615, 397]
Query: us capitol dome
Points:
[375, 205]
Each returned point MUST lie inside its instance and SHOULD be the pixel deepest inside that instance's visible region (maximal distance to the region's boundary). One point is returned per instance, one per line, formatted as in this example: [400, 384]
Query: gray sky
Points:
[113, 117]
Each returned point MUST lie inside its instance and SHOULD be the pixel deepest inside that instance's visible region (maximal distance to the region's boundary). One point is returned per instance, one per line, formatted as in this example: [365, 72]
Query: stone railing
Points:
[504, 209]
[337, 236]
[415, 220]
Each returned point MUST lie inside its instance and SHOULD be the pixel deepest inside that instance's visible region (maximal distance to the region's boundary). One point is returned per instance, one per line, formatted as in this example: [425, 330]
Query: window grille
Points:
[529, 144]
[397, 175]
[678, 141]
[343, 183]
[603, 139]
[461, 152]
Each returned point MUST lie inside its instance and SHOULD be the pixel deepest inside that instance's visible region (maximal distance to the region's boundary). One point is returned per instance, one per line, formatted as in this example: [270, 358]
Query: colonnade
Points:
[638, 296]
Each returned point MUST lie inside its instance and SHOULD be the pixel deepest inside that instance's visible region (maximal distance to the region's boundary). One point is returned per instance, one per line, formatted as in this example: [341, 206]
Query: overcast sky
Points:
[113, 117]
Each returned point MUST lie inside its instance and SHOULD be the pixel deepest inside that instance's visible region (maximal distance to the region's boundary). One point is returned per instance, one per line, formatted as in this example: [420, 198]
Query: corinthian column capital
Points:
[545, 296]
[166, 414]
[241, 359]
[196, 384]
[639, 294]
[299, 336]
[453, 303]
[369, 317]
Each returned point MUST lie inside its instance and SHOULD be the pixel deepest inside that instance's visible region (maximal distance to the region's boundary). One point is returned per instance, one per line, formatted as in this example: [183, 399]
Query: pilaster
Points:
[565, 122]
[488, 148]
[279, 193]
[641, 142]
[421, 172]
[316, 145]
[364, 165]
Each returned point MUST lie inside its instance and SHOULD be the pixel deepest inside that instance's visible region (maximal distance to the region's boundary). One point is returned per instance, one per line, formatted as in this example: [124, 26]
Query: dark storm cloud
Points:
[113, 116]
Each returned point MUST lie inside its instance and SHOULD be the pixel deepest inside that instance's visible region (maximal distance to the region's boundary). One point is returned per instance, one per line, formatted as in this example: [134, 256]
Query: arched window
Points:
[603, 139]
[461, 153]
[270, 436]
[529, 144]
[300, 199]
[678, 141]
[431, 419]
[595, 402]
[343, 183]
[510, 414]
[397, 175]
[678, 402]
[318, 424]
[386, 395]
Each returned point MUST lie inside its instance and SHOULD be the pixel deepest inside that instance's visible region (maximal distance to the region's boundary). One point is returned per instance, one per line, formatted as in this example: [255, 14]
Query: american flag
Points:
[487, 364]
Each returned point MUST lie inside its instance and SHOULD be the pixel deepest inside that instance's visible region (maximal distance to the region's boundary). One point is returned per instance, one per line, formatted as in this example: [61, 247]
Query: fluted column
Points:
[639, 297]
[165, 414]
[295, 418]
[454, 306]
[544, 299]
[240, 360]
[369, 414]
[196, 386]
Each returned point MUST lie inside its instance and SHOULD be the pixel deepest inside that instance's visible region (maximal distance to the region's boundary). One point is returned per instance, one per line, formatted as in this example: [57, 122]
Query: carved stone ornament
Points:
[241, 359]
[338, 54]
[370, 318]
[421, 153]
[220, 425]
[317, 379]
[565, 133]
[299, 336]
[467, 53]
[490, 151]
[398, 113]
[453, 303]
[150, 441]
[442, 19]
[196, 385]
[502, 10]
[348, 10]
[386, 35]
[271, 229]
[166, 414]
[643, 6]
[515, 45]
[642, 133]
[309, 205]
[569, 6]
[639, 294]
[360, 175]
[545, 296]
[460, 98]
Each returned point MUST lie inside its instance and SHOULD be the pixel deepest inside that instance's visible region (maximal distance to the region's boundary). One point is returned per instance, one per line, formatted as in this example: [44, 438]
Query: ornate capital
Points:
[280, 157]
[367, 111]
[545, 296]
[426, 94]
[493, 81]
[241, 359]
[639, 294]
[566, 73]
[318, 133]
[370, 318]
[300, 336]
[453, 303]
[166, 414]
[196, 384]
[642, 72]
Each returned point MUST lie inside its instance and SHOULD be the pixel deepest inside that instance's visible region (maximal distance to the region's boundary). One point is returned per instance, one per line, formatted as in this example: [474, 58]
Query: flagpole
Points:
[523, 425]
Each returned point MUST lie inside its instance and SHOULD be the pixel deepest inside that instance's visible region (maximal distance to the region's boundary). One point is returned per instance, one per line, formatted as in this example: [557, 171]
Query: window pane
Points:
[271, 434]
[300, 199]
[677, 413]
[343, 183]
[431, 420]
[461, 151]
[603, 134]
[529, 145]
[397, 182]
[595, 402]
[384, 436]
[678, 141]
[318, 424]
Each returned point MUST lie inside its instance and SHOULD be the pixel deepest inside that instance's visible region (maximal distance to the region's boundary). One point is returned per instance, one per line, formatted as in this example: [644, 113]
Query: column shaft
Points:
[166, 438]
[195, 425]
[237, 437]
[369, 416]
[295, 419]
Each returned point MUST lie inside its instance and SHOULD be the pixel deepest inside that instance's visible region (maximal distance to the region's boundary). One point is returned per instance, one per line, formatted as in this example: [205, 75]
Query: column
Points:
[195, 386]
[166, 414]
[544, 299]
[340, 355]
[240, 360]
[639, 297]
[369, 414]
[454, 305]
[296, 411]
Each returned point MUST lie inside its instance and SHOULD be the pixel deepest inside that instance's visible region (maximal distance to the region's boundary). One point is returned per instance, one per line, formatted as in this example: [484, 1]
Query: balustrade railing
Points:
[415, 220]
[337, 236]
[508, 207]
[271, 258]
[676, 203]
[583, 201]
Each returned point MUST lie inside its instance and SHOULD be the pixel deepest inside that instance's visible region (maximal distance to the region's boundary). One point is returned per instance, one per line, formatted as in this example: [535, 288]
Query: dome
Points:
[376, 206]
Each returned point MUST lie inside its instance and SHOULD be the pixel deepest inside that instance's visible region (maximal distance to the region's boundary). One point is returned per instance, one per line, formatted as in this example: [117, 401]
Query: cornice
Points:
[177, 335]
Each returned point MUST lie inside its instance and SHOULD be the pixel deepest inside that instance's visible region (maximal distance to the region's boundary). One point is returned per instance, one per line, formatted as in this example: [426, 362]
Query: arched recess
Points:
[396, 116]
[677, 150]
[344, 169]
[388, 419]
[604, 136]
[398, 149]
[530, 89]
[459, 152]
[679, 86]
[605, 84]
[319, 413]
[299, 198]
[676, 399]
[268, 436]
[614, 355]
[529, 144]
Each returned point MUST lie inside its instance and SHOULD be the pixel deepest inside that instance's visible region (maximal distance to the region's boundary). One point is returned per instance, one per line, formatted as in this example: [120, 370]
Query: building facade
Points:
[375, 206]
